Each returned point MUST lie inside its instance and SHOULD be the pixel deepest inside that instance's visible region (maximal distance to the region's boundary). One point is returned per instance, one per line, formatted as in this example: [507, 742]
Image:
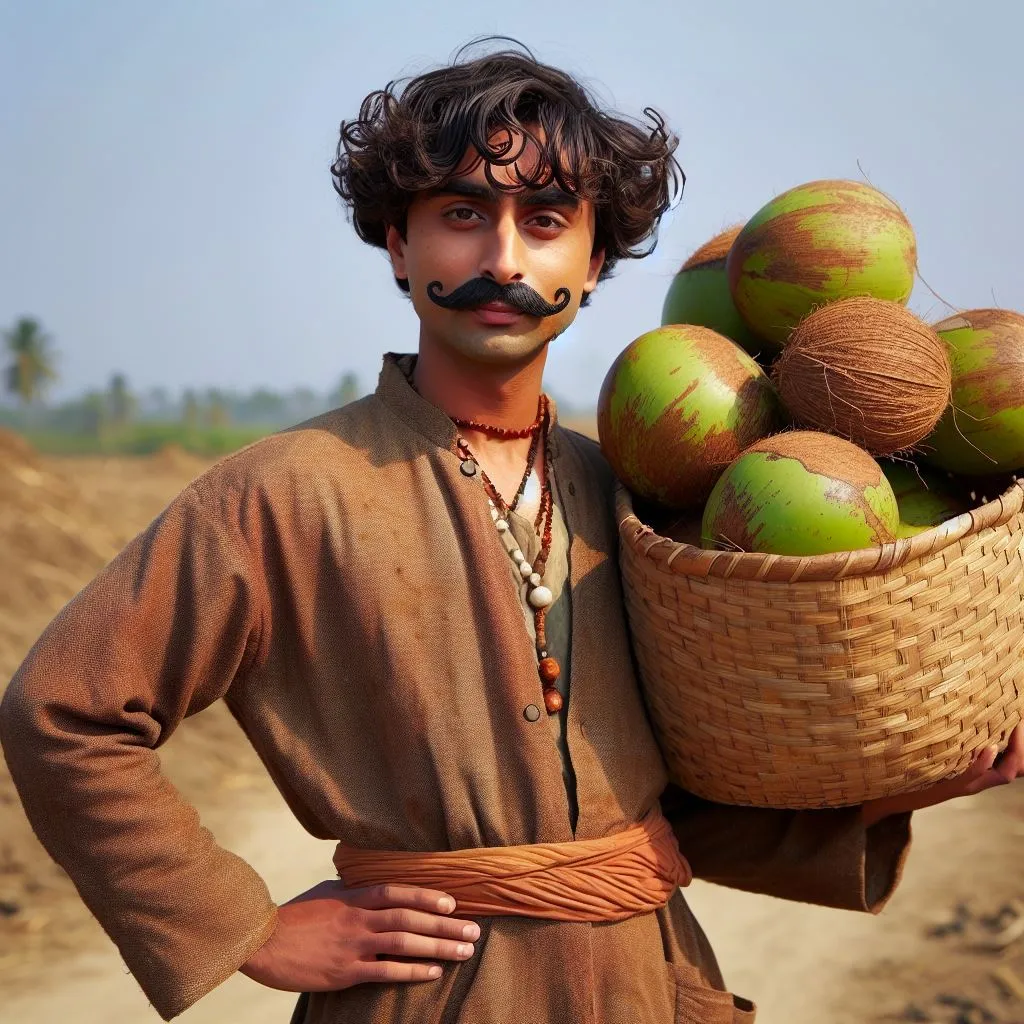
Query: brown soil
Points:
[922, 959]
[61, 520]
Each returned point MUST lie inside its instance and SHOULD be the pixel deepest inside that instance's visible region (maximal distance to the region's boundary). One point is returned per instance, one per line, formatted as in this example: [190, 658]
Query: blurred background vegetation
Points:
[120, 421]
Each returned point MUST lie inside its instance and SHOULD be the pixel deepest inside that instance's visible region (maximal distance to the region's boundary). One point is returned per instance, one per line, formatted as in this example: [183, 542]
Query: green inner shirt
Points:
[557, 626]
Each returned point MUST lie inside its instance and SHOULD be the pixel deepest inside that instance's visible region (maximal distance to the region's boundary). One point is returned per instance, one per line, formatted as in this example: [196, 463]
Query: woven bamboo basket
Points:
[778, 681]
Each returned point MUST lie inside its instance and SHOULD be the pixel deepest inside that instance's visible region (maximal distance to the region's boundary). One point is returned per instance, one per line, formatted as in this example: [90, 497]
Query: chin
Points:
[500, 349]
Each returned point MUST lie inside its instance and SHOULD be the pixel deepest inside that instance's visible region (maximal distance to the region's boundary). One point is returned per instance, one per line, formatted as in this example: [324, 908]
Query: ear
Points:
[596, 263]
[396, 250]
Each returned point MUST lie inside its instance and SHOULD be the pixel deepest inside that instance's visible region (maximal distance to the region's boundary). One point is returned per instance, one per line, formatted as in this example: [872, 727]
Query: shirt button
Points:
[468, 468]
[531, 712]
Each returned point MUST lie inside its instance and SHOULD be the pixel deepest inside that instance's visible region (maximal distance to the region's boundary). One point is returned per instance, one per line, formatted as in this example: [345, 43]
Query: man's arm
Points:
[158, 635]
[851, 858]
[830, 857]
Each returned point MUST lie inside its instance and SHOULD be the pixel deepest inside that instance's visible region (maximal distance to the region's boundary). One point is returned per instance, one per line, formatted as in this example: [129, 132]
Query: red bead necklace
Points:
[540, 597]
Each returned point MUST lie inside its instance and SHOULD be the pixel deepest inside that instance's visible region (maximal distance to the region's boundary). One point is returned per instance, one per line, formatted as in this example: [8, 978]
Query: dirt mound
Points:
[61, 521]
[172, 458]
[15, 449]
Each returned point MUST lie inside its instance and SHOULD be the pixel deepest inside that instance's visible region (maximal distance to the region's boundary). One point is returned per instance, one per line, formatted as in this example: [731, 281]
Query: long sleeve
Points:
[828, 856]
[158, 635]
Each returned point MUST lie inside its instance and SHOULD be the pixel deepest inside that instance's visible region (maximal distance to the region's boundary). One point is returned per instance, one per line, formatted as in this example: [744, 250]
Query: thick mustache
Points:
[482, 290]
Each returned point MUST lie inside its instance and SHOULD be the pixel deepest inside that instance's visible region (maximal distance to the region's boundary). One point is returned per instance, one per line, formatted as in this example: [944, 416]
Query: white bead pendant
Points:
[540, 597]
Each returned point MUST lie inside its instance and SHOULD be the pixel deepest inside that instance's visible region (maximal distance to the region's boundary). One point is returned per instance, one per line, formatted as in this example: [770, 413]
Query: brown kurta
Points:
[342, 587]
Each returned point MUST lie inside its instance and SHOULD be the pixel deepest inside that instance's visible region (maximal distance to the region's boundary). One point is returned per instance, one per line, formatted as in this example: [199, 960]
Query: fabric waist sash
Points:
[606, 879]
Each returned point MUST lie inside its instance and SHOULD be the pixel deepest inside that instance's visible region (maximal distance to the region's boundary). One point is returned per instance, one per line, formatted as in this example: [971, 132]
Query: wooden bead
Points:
[552, 701]
[549, 670]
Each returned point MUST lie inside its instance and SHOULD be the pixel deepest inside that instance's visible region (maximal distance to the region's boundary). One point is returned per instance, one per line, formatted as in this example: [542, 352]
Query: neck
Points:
[496, 394]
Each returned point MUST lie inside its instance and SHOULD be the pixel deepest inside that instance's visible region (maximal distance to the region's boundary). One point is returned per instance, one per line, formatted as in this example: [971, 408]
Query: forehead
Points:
[529, 164]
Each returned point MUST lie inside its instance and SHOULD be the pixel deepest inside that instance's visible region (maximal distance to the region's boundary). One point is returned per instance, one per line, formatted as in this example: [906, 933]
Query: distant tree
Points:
[190, 409]
[218, 410]
[31, 369]
[262, 406]
[303, 402]
[121, 402]
[348, 390]
[157, 403]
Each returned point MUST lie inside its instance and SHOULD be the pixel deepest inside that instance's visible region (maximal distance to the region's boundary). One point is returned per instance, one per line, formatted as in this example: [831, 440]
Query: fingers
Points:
[985, 759]
[401, 919]
[380, 897]
[980, 766]
[420, 946]
[392, 970]
[1010, 763]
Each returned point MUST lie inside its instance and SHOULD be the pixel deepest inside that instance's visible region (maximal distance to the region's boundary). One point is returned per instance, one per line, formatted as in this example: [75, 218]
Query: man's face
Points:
[466, 230]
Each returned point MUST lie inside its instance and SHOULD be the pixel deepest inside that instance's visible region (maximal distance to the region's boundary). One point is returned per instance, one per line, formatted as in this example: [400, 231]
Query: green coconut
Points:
[676, 407]
[982, 432]
[814, 244]
[699, 294]
[801, 493]
[924, 499]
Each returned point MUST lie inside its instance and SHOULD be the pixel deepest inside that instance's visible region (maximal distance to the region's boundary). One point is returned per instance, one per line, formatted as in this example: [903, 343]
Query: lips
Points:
[498, 307]
[496, 313]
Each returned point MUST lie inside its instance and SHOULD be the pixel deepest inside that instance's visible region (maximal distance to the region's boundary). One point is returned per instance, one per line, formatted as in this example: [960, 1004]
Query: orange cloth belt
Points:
[607, 879]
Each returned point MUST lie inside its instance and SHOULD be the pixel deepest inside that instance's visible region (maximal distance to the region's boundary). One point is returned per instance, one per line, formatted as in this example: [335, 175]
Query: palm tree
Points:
[346, 391]
[31, 368]
[121, 400]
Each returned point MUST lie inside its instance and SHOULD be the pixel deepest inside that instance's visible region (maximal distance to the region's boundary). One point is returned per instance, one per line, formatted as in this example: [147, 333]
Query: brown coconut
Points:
[714, 250]
[867, 370]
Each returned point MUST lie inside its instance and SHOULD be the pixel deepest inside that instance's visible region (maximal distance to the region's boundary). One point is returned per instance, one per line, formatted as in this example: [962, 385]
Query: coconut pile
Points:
[791, 404]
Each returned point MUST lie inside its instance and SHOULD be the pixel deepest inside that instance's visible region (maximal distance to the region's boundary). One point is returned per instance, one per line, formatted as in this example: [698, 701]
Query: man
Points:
[412, 606]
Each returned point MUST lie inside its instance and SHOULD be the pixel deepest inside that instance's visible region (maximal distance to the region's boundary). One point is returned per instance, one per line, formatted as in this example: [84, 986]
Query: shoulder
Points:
[335, 448]
[588, 453]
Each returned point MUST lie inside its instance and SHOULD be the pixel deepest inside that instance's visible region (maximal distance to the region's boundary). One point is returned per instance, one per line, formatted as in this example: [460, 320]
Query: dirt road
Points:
[802, 964]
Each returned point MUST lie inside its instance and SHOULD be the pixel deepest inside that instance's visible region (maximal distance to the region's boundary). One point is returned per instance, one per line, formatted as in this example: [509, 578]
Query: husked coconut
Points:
[866, 370]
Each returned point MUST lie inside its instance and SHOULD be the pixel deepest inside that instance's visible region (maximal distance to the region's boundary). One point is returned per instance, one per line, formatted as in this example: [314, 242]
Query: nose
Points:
[502, 258]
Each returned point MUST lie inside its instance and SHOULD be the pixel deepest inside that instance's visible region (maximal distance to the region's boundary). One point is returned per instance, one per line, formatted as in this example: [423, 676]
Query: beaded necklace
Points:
[540, 596]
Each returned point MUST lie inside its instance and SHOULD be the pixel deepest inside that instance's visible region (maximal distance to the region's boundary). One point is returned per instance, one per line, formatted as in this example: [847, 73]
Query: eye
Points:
[463, 214]
[545, 221]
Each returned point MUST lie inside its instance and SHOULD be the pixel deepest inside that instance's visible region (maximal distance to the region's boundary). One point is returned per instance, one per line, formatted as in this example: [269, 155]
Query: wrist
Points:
[873, 811]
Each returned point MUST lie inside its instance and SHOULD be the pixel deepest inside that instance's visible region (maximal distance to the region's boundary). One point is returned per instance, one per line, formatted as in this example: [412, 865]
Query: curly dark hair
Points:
[413, 140]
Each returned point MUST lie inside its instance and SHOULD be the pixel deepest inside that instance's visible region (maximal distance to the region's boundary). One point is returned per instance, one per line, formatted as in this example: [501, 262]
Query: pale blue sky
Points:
[167, 211]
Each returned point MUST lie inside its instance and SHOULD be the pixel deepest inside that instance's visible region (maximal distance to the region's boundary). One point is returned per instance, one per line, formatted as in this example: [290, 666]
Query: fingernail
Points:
[465, 950]
[434, 972]
[471, 931]
[446, 904]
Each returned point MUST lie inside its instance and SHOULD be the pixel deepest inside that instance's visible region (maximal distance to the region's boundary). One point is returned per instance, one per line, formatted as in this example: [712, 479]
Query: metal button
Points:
[531, 712]
[468, 468]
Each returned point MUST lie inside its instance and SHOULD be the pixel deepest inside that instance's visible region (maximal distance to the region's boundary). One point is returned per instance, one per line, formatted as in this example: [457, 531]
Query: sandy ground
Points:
[947, 948]
[801, 964]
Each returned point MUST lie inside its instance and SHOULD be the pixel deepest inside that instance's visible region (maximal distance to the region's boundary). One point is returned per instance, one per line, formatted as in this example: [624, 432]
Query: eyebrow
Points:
[548, 196]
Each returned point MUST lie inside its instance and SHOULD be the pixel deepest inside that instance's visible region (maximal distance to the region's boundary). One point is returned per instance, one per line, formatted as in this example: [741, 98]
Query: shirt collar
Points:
[397, 393]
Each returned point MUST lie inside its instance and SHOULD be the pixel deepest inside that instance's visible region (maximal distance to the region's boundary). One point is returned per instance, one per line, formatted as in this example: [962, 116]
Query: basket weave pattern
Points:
[779, 681]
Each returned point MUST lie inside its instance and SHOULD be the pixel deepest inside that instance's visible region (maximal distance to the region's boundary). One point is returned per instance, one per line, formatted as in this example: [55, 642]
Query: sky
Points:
[167, 212]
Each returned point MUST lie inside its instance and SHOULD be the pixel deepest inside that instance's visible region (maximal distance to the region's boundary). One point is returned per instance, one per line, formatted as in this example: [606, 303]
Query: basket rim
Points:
[688, 560]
